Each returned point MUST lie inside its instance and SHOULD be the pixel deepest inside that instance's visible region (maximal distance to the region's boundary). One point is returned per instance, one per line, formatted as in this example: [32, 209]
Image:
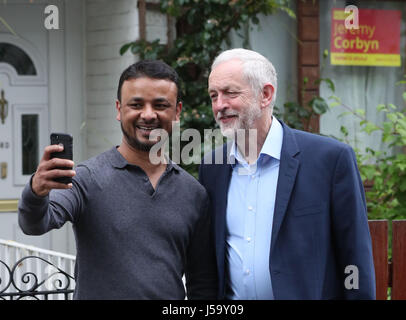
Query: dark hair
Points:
[154, 69]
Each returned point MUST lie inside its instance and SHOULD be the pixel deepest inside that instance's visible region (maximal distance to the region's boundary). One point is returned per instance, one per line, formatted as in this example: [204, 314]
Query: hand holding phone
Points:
[67, 153]
[55, 168]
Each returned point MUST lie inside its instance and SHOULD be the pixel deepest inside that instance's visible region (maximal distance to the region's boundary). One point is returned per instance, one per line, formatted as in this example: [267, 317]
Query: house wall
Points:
[109, 25]
[60, 54]
[275, 38]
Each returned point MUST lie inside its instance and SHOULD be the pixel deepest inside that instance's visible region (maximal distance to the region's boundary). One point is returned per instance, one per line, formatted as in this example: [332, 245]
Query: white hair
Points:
[257, 70]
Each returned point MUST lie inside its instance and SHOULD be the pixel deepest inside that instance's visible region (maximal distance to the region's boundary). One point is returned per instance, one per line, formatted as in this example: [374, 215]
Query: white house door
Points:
[24, 125]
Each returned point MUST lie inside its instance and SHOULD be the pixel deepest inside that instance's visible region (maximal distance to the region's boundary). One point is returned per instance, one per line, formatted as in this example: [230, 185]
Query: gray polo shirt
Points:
[133, 241]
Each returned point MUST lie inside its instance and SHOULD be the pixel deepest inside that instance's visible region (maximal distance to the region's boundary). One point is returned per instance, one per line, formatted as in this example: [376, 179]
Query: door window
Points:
[17, 58]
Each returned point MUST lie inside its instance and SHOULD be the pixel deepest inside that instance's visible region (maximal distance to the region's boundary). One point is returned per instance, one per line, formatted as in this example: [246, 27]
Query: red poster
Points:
[376, 41]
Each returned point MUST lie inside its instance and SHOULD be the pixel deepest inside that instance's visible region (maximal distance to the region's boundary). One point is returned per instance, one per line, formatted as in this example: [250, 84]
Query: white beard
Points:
[244, 121]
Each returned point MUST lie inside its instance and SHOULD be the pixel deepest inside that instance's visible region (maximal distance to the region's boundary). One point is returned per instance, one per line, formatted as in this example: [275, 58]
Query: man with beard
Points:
[139, 226]
[288, 207]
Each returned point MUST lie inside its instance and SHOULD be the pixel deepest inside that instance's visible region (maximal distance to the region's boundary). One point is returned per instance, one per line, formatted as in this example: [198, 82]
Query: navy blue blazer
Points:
[320, 223]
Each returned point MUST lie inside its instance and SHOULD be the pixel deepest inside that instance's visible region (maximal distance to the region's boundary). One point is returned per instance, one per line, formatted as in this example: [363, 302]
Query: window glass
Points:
[30, 142]
[360, 87]
[17, 58]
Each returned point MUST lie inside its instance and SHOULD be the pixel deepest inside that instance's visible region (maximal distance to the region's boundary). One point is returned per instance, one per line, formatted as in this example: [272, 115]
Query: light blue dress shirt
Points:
[249, 217]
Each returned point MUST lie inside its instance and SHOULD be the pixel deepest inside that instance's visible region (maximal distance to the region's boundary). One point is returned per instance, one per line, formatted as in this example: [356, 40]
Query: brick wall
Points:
[308, 53]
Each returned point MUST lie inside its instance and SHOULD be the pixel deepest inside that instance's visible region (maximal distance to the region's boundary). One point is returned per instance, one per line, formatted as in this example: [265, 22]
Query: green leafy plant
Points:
[386, 171]
[203, 28]
[299, 116]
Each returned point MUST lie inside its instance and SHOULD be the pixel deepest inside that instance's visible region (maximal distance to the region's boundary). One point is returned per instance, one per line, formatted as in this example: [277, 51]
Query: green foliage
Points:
[299, 116]
[387, 172]
[202, 28]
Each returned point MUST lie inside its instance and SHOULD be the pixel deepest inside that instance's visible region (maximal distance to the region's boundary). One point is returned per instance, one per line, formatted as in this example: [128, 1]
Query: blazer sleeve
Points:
[201, 274]
[350, 229]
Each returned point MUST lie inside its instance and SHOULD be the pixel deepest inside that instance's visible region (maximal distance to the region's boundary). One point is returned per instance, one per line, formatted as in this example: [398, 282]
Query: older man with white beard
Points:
[289, 219]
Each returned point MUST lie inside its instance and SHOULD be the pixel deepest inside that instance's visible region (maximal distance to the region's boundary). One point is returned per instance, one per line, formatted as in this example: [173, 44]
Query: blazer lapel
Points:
[222, 174]
[287, 175]
[223, 180]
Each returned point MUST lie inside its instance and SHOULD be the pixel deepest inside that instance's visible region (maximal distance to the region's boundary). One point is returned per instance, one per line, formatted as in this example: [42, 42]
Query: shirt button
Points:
[249, 239]
[250, 208]
[253, 176]
[247, 271]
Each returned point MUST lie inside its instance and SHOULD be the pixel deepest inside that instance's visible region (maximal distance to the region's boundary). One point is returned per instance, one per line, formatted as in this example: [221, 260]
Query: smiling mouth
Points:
[227, 118]
[146, 128]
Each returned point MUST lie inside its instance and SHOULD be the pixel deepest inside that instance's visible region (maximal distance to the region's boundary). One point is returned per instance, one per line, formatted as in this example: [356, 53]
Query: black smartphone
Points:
[67, 141]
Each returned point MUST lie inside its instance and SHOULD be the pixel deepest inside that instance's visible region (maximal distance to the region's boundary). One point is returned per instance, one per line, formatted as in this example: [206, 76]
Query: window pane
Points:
[18, 59]
[30, 143]
[359, 87]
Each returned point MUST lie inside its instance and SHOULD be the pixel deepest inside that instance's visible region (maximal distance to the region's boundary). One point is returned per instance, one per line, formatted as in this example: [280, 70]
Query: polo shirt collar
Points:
[119, 162]
[116, 159]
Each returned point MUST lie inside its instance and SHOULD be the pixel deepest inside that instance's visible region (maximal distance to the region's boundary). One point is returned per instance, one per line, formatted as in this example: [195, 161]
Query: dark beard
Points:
[134, 142]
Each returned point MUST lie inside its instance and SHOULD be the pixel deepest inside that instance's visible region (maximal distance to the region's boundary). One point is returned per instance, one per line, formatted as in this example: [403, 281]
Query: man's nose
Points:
[219, 104]
[148, 113]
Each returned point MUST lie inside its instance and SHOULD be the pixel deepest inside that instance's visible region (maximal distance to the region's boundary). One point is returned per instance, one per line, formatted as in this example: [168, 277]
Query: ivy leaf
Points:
[392, 117]
[360, 112]
[369, 172]
[344, 131]
[381, 107]
[319, 105]
[344, 114]
[125, 48]
[387, 132]
[289, 11]
[334, 104]
[330, 83]
[370, 127]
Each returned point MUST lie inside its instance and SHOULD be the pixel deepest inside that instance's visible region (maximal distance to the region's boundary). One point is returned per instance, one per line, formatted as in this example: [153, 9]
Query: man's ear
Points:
[178, 110]
[267, 95]
[118, 108]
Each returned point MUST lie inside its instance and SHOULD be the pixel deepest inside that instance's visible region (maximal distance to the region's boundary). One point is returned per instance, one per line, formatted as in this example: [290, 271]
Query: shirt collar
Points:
[272, 146]
[273, 142]
[116, 159]
[119, 162]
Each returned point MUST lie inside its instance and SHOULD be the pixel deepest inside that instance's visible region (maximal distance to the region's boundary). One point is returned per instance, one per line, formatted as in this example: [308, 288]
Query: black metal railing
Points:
[34, 278]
